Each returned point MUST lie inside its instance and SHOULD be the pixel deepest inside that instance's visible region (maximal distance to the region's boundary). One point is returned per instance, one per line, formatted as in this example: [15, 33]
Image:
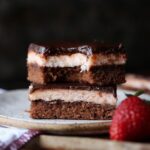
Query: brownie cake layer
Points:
[59, 109]
[101, 75]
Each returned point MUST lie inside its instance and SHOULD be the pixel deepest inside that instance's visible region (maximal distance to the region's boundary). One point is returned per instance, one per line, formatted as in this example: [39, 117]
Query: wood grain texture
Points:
[80, 143]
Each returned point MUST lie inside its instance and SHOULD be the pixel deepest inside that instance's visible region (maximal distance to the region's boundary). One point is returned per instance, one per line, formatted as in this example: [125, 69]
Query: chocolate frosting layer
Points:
[73, 86]
[68, 48]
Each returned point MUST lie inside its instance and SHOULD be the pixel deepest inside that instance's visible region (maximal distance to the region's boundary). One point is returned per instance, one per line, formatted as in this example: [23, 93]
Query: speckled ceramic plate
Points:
[14, 106]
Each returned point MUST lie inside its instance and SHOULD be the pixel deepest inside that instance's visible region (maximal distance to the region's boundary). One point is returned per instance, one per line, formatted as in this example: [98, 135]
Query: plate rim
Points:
[98, 125]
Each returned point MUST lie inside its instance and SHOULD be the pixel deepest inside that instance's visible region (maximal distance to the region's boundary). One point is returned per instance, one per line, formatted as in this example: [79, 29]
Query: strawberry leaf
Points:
[128, 95]
[138, 93]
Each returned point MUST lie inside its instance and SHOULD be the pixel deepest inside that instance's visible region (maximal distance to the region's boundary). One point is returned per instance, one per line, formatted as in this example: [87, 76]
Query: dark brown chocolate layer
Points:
[102, 75]
[65, 110]
[68, 48]
[73, 86]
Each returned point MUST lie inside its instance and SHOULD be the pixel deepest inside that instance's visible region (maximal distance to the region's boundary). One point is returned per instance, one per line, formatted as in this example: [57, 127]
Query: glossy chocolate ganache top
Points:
[67, 48]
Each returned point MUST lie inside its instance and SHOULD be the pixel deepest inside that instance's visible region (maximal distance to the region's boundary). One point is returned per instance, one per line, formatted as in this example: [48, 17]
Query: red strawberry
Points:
[131, 120]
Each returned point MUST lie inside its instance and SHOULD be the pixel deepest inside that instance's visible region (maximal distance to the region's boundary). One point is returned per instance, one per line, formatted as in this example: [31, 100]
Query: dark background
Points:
[25, 21]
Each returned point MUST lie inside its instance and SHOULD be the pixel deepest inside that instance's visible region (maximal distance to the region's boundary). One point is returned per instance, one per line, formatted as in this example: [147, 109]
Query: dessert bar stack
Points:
[74, 80]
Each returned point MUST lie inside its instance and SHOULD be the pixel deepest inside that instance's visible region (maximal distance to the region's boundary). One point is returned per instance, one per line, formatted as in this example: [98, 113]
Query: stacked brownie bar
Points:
[74, 80]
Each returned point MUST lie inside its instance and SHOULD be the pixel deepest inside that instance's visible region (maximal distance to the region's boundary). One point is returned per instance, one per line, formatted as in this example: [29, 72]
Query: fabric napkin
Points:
[13, 138]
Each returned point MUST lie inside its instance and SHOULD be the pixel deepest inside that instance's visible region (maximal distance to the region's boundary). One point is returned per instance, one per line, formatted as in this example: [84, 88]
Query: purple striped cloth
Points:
[13, 138]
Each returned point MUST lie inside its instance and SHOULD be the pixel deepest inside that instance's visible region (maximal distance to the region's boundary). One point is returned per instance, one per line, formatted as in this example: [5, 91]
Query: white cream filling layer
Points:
[73, 96]
[76, 59]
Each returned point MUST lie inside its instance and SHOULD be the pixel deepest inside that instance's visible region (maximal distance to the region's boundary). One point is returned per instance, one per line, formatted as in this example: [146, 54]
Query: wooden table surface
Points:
[51, 142]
